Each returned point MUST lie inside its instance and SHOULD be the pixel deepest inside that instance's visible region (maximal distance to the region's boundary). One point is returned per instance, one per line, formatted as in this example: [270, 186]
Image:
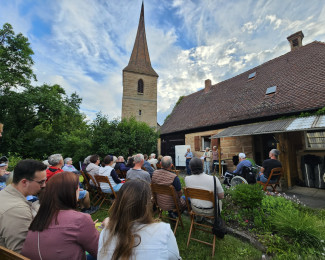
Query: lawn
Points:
[227, 248]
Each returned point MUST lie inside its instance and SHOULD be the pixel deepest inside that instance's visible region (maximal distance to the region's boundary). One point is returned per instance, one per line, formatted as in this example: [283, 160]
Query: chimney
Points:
[295, 40]
[207, 85]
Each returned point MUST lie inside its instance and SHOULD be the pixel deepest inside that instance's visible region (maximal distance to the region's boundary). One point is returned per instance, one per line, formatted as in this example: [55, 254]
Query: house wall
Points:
[230, 146]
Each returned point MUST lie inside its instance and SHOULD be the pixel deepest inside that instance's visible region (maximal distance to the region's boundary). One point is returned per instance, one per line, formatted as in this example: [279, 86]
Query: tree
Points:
[125, 137]
[44, 120]
[15, 59]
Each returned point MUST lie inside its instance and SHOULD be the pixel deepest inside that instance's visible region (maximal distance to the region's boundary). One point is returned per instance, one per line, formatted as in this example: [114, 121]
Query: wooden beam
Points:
[219, 155]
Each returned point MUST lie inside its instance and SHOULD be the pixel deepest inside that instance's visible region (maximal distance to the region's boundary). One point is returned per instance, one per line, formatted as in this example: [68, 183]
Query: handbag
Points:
[219, 228]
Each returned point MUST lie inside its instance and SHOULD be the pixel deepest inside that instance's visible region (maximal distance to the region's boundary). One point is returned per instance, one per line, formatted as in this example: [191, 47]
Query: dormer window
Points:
[140, 86]
[270, 90]
[252, 75]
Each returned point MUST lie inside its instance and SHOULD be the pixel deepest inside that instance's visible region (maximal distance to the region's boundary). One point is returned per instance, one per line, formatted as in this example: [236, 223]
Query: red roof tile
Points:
[300, 79]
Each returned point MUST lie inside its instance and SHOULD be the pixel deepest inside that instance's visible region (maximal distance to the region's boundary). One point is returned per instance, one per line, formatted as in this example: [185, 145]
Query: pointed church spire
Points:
[140, 60]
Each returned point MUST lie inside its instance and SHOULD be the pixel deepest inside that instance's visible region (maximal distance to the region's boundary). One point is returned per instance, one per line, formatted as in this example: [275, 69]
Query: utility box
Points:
[180, 151]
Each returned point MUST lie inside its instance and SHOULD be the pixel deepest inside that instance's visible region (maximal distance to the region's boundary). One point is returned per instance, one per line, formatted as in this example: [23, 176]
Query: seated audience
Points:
[136, 172]
[56, 162]
[108, 170]
[93, 167]
[242, 162]
[203, 181]
[268, 165]
[131, 232]
[120, 164]
[159, 162]
[16, 213]
[152, 160]
[85, 163]
[164, 176]
[147, 165]
[59, 231]
[68, 167]
[4, 173]
[130, 162]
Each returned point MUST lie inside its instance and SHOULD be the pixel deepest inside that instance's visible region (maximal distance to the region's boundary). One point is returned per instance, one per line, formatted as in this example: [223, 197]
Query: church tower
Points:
[140, 81]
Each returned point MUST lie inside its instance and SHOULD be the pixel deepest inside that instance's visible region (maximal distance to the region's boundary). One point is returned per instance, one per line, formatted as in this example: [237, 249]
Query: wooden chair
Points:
[158, 166]
[175, 171]
[8, 254]
[278, 172]
[120, 173]
[104, 196]
[170, 191]
[91, 189]
[96, 190]
[201, 195]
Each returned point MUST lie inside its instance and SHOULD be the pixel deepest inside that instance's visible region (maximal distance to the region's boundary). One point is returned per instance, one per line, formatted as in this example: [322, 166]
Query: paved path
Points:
[314, 198]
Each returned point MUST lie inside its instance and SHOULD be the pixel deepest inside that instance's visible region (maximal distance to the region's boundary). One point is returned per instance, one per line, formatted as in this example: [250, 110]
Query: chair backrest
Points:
[248, 174]
[104, 179]
[8, 254]
[90, 177]
[199, 194]
[275, 172]
[86, 180]
[164, 190]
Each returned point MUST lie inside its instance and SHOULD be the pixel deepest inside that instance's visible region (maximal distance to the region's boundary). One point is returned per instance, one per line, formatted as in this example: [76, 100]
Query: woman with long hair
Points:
[131, 232]
[58, 231]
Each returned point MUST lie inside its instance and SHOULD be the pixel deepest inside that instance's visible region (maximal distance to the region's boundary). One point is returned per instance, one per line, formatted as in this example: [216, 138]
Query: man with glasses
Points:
[16, 213]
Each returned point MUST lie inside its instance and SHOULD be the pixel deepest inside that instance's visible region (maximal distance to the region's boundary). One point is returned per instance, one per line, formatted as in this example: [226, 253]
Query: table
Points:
[222, 164]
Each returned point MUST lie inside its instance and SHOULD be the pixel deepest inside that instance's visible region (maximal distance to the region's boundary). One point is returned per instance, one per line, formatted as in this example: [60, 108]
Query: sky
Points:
[83, 45]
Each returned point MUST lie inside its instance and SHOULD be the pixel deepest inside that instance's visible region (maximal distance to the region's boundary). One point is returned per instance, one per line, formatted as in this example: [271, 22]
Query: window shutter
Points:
[197, 143]
[214, 142]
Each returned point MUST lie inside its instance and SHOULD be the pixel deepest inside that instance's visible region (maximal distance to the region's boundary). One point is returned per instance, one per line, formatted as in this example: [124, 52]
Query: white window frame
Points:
[202, 142]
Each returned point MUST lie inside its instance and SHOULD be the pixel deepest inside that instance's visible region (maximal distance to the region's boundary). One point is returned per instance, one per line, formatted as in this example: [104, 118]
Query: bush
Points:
[13, 160]
[248, 196]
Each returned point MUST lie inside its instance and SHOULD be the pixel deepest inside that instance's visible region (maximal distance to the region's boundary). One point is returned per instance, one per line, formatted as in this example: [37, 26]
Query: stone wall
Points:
[230, 146]
[133, 101]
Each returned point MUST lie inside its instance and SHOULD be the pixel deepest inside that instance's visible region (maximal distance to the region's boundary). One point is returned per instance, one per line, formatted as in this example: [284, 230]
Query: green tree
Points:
[43, 120]
[125, 137]
[15, 59]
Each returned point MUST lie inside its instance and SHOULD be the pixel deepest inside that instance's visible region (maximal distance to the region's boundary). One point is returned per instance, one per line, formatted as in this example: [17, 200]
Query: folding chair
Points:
[120, 173]
[201, 195]
[104, 196]
[175, 171]
[8, 254]
[278, 172]
[170, 191]
[88, 187]
[95, 189]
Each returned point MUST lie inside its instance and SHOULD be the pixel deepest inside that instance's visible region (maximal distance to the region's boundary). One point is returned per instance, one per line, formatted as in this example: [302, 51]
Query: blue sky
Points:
[83, 45]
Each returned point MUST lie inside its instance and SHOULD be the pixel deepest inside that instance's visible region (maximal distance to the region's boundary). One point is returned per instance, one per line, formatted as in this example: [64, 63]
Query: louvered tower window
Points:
[140, 86]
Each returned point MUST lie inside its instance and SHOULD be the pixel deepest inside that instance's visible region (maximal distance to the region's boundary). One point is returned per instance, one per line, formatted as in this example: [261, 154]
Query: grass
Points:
[227, 248]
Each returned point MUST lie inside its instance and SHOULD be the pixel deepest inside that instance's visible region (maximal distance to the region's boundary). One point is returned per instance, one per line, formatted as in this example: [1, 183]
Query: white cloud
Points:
[89, 42]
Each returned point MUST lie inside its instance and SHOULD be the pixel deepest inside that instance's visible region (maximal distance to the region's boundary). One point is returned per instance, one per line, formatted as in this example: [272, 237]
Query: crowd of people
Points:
[43, 211]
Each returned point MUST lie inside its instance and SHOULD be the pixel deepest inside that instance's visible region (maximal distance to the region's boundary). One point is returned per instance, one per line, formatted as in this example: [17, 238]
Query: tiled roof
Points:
[300, 79]
[140, 60]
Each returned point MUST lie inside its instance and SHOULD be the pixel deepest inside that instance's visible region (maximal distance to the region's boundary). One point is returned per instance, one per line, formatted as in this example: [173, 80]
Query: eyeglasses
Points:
[40, 182]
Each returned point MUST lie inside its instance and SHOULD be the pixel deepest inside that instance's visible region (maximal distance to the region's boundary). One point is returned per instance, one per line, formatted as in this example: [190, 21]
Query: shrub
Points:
[248, 196]
[271, 204]
[302, 228]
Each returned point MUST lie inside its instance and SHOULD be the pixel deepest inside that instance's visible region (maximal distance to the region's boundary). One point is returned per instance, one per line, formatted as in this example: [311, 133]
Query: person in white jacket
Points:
[131, 232]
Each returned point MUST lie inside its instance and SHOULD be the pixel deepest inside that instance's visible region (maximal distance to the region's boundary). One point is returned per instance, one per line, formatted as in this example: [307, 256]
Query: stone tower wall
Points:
[132, 101]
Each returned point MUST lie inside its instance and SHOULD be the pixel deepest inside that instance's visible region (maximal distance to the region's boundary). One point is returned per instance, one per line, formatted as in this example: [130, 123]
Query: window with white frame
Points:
[206, 142]
[315, 139]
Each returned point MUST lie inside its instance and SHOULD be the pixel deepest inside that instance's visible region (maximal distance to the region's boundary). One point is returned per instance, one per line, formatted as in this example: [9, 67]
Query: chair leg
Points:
[176, 225]
[213, 245]
[189, 235]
